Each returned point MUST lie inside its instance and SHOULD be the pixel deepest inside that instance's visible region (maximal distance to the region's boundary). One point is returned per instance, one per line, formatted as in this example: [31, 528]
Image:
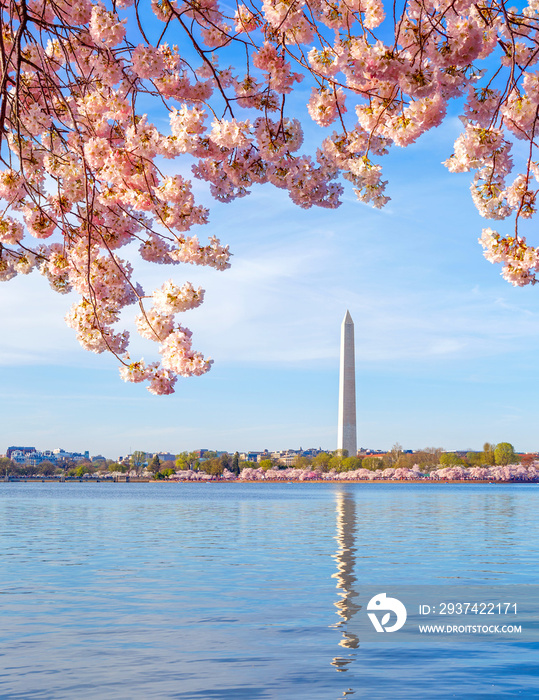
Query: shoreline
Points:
[135, 480]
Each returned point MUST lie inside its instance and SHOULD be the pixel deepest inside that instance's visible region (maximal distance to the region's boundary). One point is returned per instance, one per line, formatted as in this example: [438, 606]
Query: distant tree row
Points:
[501, 454]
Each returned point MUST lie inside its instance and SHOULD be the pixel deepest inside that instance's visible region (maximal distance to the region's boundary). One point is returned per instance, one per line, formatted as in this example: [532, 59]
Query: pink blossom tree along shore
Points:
[82, 172]
[501, 474]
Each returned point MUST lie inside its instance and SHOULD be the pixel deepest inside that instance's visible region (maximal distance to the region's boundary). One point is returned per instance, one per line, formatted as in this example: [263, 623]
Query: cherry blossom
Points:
[508, 473]
[99, 104]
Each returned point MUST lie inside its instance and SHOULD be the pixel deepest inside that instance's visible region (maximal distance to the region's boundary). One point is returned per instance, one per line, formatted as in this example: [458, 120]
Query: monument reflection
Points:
[345, 558]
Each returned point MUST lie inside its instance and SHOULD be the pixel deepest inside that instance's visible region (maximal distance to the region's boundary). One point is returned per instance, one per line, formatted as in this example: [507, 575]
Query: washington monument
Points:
[347, 438]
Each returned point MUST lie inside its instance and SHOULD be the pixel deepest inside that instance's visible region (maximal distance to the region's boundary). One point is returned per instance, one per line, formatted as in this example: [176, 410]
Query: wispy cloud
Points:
[284, 297]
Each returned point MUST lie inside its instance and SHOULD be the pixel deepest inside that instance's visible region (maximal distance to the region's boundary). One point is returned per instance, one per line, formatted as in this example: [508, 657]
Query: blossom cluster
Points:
[520, 261]
[83, 165]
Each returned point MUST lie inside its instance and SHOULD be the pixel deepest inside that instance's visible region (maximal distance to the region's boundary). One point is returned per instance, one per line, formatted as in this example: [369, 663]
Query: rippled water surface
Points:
[210, 591]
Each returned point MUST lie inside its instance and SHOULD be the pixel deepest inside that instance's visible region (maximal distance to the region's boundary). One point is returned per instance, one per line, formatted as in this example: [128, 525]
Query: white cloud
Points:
[291, 281]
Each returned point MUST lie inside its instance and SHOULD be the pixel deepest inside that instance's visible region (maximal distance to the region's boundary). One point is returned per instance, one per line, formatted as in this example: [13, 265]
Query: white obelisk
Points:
[347, 438]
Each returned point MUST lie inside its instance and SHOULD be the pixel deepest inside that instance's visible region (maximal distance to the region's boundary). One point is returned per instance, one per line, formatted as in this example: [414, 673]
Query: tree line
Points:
[427, 459]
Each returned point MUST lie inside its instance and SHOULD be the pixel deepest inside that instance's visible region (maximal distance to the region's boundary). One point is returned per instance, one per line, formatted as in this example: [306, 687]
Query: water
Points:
[228, 591]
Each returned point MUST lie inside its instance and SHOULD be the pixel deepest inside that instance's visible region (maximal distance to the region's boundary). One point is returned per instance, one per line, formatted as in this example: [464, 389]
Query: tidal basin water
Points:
[214, 591]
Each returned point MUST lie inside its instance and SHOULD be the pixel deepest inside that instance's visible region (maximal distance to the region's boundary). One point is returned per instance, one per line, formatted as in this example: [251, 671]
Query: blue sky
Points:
[446, 351]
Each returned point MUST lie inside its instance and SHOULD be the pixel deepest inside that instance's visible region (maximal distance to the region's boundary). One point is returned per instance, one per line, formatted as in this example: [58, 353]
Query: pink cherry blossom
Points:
[83, 171]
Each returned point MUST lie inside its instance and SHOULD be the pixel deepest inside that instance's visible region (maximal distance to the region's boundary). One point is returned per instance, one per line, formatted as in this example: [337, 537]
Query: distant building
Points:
[249, 456]
[24, 450]
[165, 456]
[286, 458]
[17, 456]
[33, 457]
[311, 452]
[61, 455]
